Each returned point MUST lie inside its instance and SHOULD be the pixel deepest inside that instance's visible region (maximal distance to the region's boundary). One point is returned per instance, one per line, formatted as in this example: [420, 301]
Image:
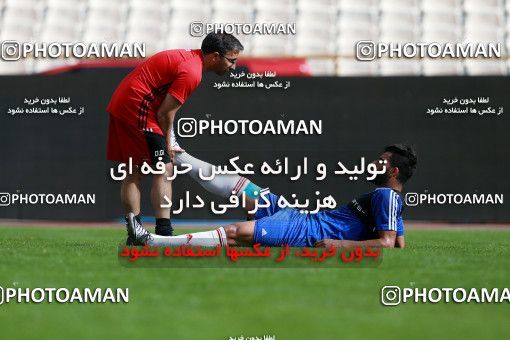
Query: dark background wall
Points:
[457, 154]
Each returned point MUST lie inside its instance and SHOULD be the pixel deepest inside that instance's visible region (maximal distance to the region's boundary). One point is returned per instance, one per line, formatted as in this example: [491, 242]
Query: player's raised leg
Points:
[221, 185]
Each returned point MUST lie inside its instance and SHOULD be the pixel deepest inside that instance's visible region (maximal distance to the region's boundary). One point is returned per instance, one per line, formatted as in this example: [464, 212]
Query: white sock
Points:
[210, 238]
[221, 185]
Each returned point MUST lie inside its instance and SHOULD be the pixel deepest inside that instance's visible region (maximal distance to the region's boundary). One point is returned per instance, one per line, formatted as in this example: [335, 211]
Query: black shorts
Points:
[126, 141]
[157, 147]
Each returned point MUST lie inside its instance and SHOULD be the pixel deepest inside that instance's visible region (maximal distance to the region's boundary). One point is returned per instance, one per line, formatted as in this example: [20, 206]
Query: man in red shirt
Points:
[142, 112]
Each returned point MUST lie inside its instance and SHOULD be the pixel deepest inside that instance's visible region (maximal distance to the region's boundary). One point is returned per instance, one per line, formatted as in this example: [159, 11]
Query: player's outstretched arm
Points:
[386, 240]
[166, 114]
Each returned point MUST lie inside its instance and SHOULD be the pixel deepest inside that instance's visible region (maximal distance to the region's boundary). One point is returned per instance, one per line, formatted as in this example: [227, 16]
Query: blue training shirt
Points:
[361, 219]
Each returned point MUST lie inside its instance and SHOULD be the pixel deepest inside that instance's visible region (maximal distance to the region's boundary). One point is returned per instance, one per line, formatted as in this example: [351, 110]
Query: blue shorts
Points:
[275, 226]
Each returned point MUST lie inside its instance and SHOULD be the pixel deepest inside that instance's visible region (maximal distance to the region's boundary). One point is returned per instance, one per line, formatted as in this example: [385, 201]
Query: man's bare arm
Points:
[166, 114]
[386, 240]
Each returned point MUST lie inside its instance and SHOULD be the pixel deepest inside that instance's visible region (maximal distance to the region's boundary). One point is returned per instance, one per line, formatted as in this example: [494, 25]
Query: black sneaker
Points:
[130, 240]
[137, 235]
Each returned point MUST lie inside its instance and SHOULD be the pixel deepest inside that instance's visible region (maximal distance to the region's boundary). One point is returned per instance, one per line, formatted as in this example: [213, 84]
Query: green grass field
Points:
[216, 303]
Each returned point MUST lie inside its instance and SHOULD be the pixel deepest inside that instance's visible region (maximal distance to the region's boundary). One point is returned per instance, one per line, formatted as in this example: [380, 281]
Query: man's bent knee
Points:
[169, 171]
[231, 232]
[240, 233]
[135, 177]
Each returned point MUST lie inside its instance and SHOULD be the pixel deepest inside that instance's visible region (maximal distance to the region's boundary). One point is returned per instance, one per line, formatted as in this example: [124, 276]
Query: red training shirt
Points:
[139, 95]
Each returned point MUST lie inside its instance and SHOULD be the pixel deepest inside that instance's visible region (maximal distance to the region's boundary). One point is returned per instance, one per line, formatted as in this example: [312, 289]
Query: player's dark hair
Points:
[404, 158]
[221, 43]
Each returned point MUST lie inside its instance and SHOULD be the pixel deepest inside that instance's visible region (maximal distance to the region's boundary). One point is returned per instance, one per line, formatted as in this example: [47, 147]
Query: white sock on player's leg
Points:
[221, 185]
[210, 238]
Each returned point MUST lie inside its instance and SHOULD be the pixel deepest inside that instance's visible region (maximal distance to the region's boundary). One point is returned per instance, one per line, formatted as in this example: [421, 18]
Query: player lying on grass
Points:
[373, 219]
